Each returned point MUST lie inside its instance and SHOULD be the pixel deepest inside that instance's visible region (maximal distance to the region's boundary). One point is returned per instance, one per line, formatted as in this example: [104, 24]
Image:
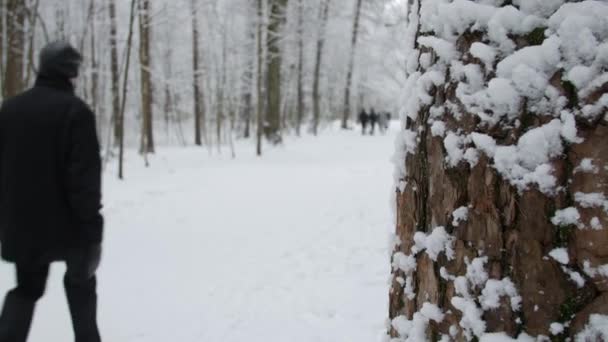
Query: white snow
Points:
[601, 270]
[288, 247]
[444, 49]
[586, 165]
[502, 337]
[453, 144]
[485, 143]
[591, 200]
[596, 224]
[495, 289]
[556, 328]
[595, 330]
[560, 255]
[472, 321]
[438, 129]
[415, 330]
[460, 215]
[543, 8]
[485, 53]
[576, 277]
[438, 241]
[566, 217]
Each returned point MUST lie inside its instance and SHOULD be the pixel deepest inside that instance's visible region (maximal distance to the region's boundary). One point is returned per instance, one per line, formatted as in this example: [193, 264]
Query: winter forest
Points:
[337, 170]
[209, 72]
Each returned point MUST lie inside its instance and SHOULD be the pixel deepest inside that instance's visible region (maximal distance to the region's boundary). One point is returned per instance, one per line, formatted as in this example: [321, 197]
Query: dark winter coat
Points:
[50, 168]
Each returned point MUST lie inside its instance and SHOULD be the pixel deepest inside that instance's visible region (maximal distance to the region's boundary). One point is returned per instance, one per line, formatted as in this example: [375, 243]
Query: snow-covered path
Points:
[288, 248]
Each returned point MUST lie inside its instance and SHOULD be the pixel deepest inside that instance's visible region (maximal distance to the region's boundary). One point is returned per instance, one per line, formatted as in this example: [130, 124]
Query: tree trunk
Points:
[147, 137]
[121, 118]
[94, 69]
[15, 48]
[199, 115]
[32, 20]
[495, 269]
[351, 66]
[316, 98]
[248, 84]
[260, 77]
[300, 95]
[272, 126]
[114, 71]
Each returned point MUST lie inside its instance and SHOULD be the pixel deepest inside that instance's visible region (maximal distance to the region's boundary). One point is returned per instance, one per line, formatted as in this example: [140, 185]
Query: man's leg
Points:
[80, 287]
[19, 303]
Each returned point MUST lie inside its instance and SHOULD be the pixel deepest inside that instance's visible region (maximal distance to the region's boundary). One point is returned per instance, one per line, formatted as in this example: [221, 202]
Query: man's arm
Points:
[84, 175]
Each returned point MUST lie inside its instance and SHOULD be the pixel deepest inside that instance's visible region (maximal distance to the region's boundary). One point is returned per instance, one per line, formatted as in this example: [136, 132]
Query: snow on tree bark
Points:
[524, 138]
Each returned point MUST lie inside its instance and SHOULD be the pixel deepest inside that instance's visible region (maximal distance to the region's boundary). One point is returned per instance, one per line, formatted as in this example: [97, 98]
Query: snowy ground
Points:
[200, 248]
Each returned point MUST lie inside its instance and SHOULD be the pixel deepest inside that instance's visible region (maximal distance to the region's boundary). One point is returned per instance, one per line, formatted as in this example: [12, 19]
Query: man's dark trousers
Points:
[80, 287]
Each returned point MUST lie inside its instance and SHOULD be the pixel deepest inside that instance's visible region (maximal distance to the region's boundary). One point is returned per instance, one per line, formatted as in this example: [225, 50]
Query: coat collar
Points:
[56, 83]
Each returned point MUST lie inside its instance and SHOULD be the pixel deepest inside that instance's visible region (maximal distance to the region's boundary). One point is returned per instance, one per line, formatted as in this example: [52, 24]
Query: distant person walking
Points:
[363, 120]
[373, 118]
[50, 197]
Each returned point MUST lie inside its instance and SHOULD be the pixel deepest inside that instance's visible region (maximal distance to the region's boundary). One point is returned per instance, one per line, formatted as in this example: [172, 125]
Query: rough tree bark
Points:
[272, 126]
[512, 228]
[147, 132]
[316, 97]
[351, 65]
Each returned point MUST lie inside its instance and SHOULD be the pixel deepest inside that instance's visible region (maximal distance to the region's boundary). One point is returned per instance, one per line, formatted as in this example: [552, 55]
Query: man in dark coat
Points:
[363, 119]
[50, 195]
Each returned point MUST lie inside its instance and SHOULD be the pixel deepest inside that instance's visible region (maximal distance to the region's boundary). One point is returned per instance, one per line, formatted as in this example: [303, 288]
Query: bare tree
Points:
[121, 118]
[260, 77]
[318, 62]
[199, 111]
[15, 44]
[300, 90]
[114, 70]
[351, 66]
[272, 126]
[147, 132]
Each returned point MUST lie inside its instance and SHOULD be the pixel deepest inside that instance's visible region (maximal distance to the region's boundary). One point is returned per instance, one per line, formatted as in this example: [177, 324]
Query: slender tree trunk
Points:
[351, 66]
[15, 54]
[147, 136]
[300, 95]
[248, 83]
[199, 115]
[32, 20]
[95, 68]
[221, 98]
[260, 78]
[114, 71]
[316, 98]
[121, 119]
[272, 127]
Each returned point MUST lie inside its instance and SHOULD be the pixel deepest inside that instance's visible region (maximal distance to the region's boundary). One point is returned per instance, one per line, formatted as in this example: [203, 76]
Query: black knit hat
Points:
[59, 60]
